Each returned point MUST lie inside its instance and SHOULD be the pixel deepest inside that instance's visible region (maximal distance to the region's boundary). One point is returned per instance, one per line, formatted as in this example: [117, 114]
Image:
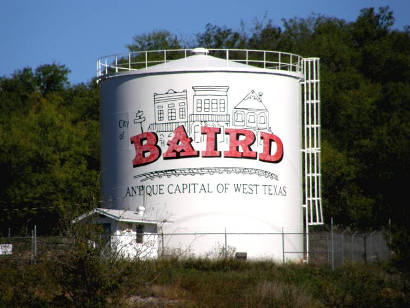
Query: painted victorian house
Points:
[251, 113]
[170, 111]
[210, 108]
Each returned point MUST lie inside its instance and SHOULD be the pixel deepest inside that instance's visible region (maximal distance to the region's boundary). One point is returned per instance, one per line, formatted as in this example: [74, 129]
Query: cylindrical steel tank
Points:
[211, 149]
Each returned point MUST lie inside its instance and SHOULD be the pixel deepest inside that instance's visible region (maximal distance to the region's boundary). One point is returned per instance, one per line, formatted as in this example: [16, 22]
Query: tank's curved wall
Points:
[207, 194]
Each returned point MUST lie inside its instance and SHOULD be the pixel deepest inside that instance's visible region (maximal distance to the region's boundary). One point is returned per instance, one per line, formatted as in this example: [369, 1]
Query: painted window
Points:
[262, 119]
[199, 105]
[182, 113]
[251, 119]
[206, 105]
[239, 117]
[214, 105]
[222, 107]
[160, 115]
[172, 115]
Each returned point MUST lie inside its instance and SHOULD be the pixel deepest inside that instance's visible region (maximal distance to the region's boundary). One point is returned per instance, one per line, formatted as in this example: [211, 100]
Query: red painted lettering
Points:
[180, 145]
[240, 141]
[149, 147]
[266, 155]
[211, 140]
[235, 143]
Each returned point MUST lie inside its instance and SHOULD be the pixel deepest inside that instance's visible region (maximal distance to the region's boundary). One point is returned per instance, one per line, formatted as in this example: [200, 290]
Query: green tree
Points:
[51, 78]
[156, 40]
[49, 149]
[220, 37]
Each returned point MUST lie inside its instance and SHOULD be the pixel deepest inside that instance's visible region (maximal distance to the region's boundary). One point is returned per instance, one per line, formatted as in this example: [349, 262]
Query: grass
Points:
[83, 279]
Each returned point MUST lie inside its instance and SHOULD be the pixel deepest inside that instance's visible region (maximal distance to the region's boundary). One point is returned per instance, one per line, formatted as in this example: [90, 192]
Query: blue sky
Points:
[77, 32]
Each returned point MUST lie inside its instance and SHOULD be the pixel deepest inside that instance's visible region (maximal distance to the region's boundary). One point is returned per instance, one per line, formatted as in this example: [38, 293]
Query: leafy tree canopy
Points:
[156, 40]
[49, 149]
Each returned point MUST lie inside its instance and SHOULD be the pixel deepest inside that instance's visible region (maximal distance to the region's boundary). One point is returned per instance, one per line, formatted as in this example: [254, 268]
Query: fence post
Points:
[373, 249]
[283, 247]
[226, 246]
[332, 244]
[32, 246]
[162, 243]
[328, 248]
[365, 248]
[352, 247]
[35, 244]
[343, 247]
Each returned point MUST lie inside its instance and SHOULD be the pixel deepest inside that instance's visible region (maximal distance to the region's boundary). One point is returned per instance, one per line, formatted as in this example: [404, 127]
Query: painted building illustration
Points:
[170, 111]
[210, 108]
[251, 113]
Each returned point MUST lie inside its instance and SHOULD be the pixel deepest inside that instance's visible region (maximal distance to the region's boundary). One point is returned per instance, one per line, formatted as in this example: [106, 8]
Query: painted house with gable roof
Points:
[251, 113]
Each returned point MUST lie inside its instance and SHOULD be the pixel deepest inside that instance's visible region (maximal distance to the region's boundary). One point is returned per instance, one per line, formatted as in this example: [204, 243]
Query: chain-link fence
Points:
[32, 249]
[339, 247]
[334, 247]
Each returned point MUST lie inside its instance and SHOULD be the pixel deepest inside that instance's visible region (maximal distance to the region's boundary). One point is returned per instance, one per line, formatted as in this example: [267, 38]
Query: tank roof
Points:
[200, 60]
[198, 63]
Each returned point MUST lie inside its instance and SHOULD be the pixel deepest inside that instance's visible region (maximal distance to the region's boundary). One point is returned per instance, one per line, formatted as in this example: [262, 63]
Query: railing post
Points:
[264, 59]
[279, 61]
[290, 64]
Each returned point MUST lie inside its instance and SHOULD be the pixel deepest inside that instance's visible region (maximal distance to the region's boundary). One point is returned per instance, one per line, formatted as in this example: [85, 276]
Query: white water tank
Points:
[210, 146]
